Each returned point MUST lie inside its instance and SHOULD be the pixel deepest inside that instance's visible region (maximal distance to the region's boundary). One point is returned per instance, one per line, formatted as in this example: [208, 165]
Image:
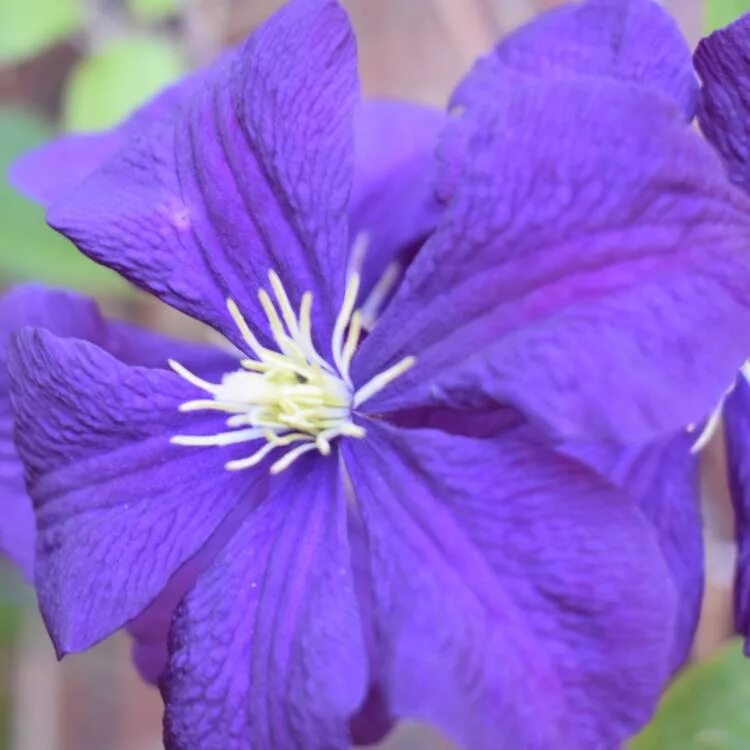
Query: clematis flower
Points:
[388, 175]
[723, 63]
[372, 554]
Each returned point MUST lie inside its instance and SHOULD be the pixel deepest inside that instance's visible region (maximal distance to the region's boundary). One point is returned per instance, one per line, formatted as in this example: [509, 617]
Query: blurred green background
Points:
[79, 65]
[108, 58]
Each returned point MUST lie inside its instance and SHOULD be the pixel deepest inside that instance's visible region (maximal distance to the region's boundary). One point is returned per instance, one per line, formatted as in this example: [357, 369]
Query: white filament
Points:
[289, 398]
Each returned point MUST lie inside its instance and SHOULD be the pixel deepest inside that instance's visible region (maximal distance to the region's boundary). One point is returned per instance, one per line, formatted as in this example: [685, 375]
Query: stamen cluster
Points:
[291, 398]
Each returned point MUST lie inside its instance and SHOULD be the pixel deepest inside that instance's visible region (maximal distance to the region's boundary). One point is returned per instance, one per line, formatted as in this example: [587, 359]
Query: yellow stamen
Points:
[223, 438]
[381, 380]
[183, 372]
[284, 305]
[342, 320]
[289, 398]
[246, 333]
[202, 403]
[290, 457]
[350, 346]
[254, 460]
[371, 306]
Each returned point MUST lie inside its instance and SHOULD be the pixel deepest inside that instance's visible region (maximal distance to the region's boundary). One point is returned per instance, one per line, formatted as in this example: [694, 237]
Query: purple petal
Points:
[372, 722]
[150, 630]
[137, 346]
[630, 41]
[69, 315]
[393, 197]
[254, 174]
[585, 222]
[723, 63]
[46, 172]
[519, 600]
[149, 652]
[663, 479]
[118, 508]
[267, 649]
[17, 531]
[393, 200]
[737, 432]
[33, 305]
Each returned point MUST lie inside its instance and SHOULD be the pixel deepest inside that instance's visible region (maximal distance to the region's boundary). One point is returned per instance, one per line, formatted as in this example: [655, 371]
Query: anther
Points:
[289, 398]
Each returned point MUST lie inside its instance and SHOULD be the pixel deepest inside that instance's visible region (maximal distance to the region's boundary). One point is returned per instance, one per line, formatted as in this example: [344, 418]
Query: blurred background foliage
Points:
[29, 28]
[77, 65]
[111, 56]
[124, 73]
[706, 708]
[718, 13]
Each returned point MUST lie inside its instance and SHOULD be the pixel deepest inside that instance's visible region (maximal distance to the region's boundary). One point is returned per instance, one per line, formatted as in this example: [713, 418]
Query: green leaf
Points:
[14, 604]
[105, 88]
[718, 13]
[29, 27]
[29, 249]
[706, 708]
[153, 11]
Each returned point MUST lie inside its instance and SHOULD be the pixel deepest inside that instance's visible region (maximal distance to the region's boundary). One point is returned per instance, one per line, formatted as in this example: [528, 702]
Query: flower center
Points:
[288, 398]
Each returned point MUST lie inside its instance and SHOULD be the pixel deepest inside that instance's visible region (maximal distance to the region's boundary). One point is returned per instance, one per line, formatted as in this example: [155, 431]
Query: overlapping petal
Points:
[372, 722]
[662, 478]
[585, 221]
[150, 630]
[393, 199]
[519, 600]
[267, 649]
[47, 172]
[255, 174]
[118, 508]
[723, 63]
[17, 529]
[737, 431]
[66, 313]
[630, 41]
[69, 315]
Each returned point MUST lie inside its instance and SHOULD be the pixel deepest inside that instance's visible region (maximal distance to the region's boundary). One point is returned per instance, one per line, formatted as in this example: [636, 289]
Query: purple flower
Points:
[723, 62]
[391, 198]
[605, 39]
[358, 546]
